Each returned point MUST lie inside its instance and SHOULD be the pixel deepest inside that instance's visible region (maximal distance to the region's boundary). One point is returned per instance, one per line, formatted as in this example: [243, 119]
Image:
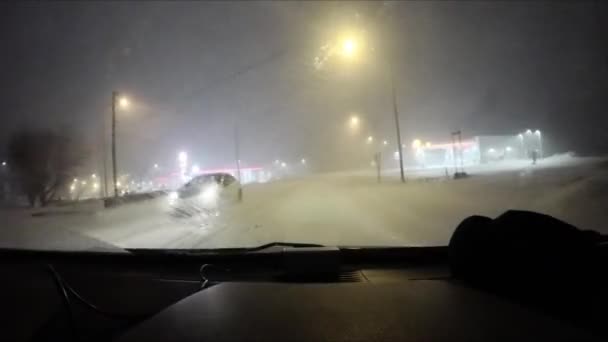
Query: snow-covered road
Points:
[345, 209]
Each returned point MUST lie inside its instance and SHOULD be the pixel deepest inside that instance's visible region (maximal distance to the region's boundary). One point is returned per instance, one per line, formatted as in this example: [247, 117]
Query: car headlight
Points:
[210, 193]
[173, 196]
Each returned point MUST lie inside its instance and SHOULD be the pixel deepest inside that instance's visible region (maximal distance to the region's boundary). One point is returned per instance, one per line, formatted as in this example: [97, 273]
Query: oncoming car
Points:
[204, 194]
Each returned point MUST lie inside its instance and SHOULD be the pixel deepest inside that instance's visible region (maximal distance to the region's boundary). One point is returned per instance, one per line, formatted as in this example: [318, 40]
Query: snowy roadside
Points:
[345, 209]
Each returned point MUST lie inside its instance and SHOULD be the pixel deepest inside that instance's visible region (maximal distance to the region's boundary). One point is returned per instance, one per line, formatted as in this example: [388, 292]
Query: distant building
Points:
[474, 151]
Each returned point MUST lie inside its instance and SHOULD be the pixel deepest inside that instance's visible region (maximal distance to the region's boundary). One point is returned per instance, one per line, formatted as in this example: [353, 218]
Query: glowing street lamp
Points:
[416, 144]
[156, 166]
[122, 102]
[528, 131]
[303, 161]
[283, 165]
[540, 143]
[354, 122]
[349, 47]
[370, 139]
[385, 143]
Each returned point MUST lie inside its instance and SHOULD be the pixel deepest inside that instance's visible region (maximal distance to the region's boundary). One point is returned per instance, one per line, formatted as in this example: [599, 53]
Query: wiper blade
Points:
[283, 244]
[219, 251]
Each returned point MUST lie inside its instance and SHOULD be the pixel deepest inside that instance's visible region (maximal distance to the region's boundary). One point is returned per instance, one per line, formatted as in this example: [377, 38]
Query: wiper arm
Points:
[220, 251]
[282, 244]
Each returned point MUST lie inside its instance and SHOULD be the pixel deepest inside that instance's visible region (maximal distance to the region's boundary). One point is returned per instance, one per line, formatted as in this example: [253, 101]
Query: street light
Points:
[123, 103]
[3, 163]
[385, 143]
[303, 161]
[354, 122]
[182, 158]
[349, 47]
[416, 144]
[283, 165]
[195, 169]
[156, 166]
[370, 139]
[528, 131]
[540, 143]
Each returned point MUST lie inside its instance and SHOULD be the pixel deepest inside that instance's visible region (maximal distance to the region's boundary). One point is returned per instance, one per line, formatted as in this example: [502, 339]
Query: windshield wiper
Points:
[209, 251]
[283, 244]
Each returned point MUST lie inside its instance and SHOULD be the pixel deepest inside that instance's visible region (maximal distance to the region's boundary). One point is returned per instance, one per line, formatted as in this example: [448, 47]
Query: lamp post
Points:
[540, 143]
[123, 102]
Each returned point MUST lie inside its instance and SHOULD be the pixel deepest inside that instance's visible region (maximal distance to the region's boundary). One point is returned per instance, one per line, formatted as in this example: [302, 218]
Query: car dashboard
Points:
[345, 295]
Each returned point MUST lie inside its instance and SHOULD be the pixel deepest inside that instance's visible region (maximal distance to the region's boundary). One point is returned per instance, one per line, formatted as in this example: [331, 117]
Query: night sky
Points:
[193, 69]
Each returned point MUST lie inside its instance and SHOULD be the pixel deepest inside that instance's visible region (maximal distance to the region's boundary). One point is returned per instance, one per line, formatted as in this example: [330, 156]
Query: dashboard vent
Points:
[351, 277]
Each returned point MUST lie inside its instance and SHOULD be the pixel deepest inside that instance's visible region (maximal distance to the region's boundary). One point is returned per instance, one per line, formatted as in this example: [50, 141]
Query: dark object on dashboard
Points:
[522, 244]
[536, 260]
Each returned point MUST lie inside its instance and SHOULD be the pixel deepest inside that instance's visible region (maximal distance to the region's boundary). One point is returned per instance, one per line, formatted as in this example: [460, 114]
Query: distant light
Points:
[303, 161]
[156, 166]
[173, 195]
[93, 176]
[182, 157]
[349, 47]
[95, 185]
[196, 168]
[416, 143]
[72, 187]
[370, 139]
[277, 162]
[3, 163]
[537, 132]
[117, 184]
[75, 180]
[83, 182]
[520, 136]
[528, 131]
[283, 164]
[133, 182]
[491, 150]
[427, 144]
[385, 143]
[354, 122]
[509, 149]
[123, 102]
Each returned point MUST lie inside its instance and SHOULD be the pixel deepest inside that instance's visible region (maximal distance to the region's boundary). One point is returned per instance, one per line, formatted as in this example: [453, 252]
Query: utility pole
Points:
[378, 160]
[238, 160]
[114, 178]
[391, 71]
[397, 126]
[104, 190]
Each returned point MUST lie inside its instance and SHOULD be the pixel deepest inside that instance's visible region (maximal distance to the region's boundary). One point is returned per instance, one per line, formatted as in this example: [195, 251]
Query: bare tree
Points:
[44, 162]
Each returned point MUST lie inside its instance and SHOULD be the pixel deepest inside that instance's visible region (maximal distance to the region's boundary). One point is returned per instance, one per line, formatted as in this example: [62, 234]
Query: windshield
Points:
[236, 124]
